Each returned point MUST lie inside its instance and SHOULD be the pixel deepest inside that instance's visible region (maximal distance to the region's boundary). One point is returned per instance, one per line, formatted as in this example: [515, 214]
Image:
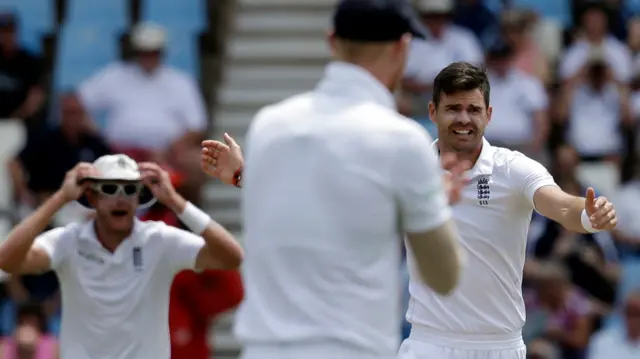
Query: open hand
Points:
[159, 183]
[73, 187]
[455, 178]
[221, 160]
[601, 212]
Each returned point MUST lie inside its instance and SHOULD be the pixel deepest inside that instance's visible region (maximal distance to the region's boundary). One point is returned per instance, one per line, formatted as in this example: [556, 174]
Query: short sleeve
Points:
[54, 243]
[528, 176]
[182, 248]
[417, 184]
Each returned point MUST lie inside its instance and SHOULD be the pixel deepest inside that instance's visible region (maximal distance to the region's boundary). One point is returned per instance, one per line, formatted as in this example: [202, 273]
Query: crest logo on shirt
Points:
[484, 191]
[137, 259]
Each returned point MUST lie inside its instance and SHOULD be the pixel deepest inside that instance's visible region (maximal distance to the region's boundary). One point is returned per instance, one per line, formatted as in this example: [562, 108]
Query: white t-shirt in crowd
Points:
[595, 112]
[515, 98]
[612, 343]
[428, 57]
[333, 180]
[116, 305]
[616, 54]
[147, 111]
[493, 220]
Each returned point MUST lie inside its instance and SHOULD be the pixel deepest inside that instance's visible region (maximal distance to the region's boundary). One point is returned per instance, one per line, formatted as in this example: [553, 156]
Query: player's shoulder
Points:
[511, 163]
[289, 108]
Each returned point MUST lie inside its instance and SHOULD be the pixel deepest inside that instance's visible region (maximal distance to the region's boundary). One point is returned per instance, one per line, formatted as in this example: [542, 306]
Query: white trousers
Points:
[415, 349]
[317, 350]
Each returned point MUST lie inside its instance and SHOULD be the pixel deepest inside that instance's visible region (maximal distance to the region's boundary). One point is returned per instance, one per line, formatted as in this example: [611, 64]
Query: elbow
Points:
[233, 260]
[447, 286]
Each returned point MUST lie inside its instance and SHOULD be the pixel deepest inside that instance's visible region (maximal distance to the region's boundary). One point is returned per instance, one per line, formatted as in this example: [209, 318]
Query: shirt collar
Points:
[484, 164]
[354, 82]
[88, 234]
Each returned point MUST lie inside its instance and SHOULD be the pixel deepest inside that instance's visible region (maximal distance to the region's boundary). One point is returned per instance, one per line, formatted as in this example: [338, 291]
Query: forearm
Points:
[14, 250]
[571, 214]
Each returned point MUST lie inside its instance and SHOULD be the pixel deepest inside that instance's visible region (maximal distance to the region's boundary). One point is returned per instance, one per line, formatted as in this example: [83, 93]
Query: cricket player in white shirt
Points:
[483, 318]
[115, 272]
[334, 179]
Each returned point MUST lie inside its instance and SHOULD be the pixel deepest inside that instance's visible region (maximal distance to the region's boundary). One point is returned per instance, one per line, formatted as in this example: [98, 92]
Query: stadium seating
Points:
[82, 51]
[111, 15]
[183, 53]
[36, 19]
[558, 10]
[178, 16]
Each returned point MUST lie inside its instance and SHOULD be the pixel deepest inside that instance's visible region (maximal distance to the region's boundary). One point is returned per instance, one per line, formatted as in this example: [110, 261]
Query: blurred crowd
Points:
[138, 105]
[568, 96]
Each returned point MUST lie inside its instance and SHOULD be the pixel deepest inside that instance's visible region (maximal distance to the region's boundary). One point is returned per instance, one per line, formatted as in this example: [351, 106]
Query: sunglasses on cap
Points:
[118, 189]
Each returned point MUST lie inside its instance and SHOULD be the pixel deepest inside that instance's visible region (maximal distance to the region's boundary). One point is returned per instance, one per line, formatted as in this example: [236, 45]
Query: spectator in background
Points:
[620, 343]
[477, 17]
[519, 120]
[516, 27]
[30, 340]
[21, 72]
[152, 107]
[595, 101]
[448, 43]
[41, 166]
[627, 233]
[557, 312]
[594, 33]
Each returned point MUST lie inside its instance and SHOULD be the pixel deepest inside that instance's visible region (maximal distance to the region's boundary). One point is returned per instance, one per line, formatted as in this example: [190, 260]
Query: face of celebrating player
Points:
[115, 204]
[461, 118]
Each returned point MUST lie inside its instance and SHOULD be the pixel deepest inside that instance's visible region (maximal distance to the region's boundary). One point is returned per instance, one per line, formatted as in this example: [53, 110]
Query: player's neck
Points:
[109, 239]
[471, 156]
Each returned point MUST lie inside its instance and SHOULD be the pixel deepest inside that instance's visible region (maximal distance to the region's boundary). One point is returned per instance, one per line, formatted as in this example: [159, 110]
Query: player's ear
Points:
[331, 41]
[489, 113]
[432, 111]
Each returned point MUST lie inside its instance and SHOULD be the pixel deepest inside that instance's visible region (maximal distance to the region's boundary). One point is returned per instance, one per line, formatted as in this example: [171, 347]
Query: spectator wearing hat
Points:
[447, 43]
[151, 107]
[21, 74]
[520, 103]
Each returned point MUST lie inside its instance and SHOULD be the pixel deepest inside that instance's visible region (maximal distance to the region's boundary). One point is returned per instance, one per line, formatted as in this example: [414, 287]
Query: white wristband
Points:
[194, 218]
[586, 222]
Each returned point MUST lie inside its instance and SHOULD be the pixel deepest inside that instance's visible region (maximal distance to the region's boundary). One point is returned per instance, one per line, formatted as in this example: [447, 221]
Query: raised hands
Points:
[74, 186]
[222, 160]
[455, 178]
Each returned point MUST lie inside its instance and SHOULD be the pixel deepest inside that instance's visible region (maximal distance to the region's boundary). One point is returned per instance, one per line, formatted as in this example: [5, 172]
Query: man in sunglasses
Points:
[115, 271]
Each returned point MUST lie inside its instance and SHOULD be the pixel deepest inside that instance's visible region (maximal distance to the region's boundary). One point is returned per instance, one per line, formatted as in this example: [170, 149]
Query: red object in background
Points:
[196, 299]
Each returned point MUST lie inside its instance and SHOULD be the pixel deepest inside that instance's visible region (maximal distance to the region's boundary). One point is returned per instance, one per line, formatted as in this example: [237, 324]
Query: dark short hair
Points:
[461, 77]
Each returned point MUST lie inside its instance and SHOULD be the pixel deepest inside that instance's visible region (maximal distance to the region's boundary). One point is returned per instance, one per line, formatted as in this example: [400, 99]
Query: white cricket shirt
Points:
[493, 220]
[333, 179]
[143, 110]
[116, 305]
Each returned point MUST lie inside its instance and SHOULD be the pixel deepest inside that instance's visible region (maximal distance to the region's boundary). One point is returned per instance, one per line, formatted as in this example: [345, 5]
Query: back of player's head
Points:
[461, 77]
[358, 33]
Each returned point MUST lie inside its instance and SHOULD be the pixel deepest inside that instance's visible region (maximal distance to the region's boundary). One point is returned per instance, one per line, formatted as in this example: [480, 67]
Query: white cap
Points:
[435, 6]
[148, 37]
[116, 168]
